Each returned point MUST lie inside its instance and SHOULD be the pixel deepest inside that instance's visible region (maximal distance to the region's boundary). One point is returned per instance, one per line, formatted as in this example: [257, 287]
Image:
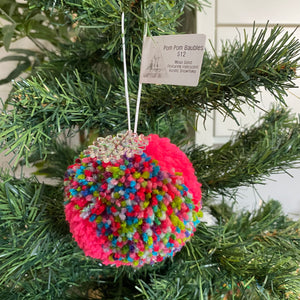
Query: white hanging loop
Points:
[125, 72]
[138, 101]
[126, 81]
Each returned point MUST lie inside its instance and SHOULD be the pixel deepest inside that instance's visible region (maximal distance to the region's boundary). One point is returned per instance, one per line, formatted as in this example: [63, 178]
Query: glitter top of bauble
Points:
[112, 148]
[132, 200]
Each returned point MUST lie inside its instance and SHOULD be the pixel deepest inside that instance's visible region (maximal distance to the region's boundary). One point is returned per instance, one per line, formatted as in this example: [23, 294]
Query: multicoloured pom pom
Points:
[133, 209]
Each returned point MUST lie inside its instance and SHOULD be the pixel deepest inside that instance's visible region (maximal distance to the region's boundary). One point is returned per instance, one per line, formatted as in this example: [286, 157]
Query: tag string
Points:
[126, 81]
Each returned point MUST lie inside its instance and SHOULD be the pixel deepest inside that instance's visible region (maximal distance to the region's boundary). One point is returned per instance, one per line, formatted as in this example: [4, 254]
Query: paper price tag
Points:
[172, 59]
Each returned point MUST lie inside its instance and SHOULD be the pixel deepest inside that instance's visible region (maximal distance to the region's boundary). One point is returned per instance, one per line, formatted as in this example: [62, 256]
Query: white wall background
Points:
[227, 19]
[5, 68]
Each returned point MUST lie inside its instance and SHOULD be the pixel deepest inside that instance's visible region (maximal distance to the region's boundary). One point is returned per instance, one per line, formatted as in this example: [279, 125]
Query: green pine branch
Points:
[80, 87]
[92, 26]
[22, 21]
[38, 258]
[235, 77]
[86, 72]
[250, 255]
[267, 147]
[48, 105]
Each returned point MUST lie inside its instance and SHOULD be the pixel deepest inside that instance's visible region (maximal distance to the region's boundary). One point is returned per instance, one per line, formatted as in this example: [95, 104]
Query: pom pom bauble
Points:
[134, 207]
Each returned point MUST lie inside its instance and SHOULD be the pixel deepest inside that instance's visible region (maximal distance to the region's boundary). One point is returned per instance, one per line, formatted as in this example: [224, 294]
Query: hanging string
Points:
[125, 72]
[138, 101]
[126, 80]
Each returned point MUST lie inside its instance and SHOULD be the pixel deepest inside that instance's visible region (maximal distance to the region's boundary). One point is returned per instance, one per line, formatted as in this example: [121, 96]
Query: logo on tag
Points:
[156, 67]
[172, 59]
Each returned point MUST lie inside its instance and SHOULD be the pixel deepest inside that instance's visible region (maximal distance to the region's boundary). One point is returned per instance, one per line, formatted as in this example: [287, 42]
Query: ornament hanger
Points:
[126, 80]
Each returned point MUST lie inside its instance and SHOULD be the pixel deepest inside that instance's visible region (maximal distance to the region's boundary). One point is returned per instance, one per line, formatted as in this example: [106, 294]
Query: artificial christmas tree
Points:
[78, 87]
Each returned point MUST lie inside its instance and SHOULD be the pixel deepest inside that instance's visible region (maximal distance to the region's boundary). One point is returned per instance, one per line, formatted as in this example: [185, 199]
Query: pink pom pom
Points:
[136, 208]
